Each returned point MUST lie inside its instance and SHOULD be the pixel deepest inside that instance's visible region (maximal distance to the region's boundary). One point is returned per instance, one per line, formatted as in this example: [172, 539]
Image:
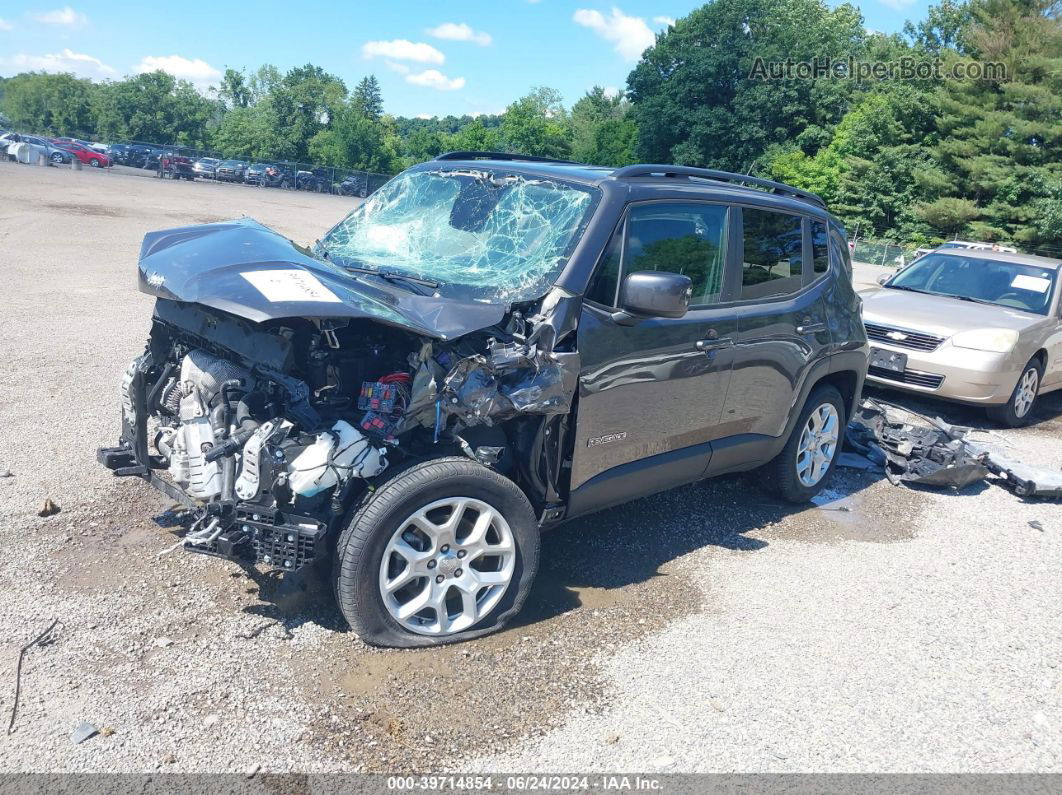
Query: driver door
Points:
[652, 389]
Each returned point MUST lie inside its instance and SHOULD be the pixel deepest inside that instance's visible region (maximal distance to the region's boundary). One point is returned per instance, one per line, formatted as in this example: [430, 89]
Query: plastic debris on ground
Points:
[936, 454]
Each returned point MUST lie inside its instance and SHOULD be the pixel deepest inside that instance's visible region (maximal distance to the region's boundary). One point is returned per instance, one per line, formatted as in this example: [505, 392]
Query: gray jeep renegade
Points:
[489, 345]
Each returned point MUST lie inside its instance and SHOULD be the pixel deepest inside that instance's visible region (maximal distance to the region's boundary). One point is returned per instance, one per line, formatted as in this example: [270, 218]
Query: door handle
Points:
[810, 328]
[714, 344]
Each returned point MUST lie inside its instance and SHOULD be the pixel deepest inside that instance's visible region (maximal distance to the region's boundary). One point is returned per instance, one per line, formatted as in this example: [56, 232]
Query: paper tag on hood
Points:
[290, 285]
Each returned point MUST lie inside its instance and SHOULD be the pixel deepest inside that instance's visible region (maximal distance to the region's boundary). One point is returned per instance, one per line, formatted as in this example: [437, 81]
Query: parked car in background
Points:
[277, 177]
[353, 185]
[206, 167]
[90, 157]
[176, 166]
[977, 327]
[253, 175]
[980, 246]
[96, 147]
[56, 154]
[230, 171]
[318, 180]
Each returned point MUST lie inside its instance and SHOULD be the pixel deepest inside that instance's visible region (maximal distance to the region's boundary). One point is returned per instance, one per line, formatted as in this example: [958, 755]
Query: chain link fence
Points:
[179, 162]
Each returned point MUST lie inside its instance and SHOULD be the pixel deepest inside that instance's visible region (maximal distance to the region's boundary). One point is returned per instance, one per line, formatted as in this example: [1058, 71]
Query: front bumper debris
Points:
[936, 454]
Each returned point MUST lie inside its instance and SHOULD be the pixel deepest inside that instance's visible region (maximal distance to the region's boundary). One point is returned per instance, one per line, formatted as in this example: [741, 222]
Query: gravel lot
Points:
[706, 629]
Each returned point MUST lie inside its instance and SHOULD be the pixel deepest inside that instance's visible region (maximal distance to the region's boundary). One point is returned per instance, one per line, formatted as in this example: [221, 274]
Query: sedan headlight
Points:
[994, 340]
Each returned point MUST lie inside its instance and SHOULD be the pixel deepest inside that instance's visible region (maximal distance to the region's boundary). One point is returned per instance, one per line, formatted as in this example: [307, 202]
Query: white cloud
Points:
[665, 21]
[629, 35]
[397, 66]
[5, 25]
[424, 116]
[195, 70]
[433, 78]
[898, 5]
[611, 92]
[403, 50]
[66, 61]
[459, 31]
[62, 16]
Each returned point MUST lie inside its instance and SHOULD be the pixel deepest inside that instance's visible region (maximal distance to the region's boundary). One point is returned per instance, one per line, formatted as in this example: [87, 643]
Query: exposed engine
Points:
[268, 433]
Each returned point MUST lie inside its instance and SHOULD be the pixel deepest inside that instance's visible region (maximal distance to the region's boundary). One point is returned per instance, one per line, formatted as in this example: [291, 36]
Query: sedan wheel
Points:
[57, 158]
[95, 163]
[1019, 409]
[1025, 394]
[447, 566]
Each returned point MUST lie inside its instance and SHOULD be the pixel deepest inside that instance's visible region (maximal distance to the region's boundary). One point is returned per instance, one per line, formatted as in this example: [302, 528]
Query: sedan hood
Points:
[246, 269]
[938, 315]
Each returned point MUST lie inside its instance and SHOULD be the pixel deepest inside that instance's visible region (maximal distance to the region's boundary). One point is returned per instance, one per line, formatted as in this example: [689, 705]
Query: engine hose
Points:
[246, 425]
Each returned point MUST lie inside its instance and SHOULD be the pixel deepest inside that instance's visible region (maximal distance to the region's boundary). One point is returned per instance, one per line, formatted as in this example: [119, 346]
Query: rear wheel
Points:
[445, 550]
[95, 162]
[806, 462]
[57, 158]
[1019, 409]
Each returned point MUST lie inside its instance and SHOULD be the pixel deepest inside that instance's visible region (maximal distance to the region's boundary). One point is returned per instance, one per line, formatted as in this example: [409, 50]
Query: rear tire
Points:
[95, 162]
[1018, 411]
[399, 519]
[808, 459]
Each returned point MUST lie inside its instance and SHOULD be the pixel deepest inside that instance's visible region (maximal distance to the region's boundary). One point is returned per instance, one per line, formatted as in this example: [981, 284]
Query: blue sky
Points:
[432, 58]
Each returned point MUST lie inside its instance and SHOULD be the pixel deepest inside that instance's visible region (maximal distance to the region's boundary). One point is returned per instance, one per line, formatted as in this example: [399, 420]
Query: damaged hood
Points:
[939, 315]
[246, 269]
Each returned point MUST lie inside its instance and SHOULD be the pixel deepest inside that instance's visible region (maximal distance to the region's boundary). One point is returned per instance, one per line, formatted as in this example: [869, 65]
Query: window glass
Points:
[603, 287]
[819, 247]
[773, 259]
[689, 239]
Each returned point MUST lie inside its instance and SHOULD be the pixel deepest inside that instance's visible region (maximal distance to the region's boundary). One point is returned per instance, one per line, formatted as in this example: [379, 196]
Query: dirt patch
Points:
[93, 210]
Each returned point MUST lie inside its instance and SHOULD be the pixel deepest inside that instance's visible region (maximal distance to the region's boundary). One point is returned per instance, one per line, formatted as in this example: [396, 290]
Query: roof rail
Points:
[502, 156]
[649, 170]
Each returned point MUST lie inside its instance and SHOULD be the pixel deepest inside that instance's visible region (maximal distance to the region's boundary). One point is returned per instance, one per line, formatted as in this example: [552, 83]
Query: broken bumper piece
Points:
[939, 455]
[245, 532]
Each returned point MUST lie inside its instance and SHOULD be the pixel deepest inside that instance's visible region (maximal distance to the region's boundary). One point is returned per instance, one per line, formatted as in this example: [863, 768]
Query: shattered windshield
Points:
[499, 237]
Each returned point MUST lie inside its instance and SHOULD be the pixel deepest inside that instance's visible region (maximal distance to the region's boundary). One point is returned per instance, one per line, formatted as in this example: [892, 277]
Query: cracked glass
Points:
[479, 234]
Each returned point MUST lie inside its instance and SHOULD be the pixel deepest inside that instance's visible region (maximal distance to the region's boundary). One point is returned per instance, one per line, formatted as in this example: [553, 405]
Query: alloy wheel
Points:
[1025, 394]
[447, 566]
[818, 444]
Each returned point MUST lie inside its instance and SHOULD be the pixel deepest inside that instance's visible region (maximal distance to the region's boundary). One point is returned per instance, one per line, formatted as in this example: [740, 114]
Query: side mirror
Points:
[655, 294]
[884, 278]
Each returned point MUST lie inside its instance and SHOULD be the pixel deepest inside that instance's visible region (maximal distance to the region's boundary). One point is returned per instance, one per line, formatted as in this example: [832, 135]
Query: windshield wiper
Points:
[908, 289]
[969, 298]
[395, 277]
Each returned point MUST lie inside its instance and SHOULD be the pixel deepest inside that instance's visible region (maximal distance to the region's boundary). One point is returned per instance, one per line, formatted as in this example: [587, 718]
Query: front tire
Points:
[445, 550]
[95, 163]
[1018, 411]
[57, 158]
[808, 459]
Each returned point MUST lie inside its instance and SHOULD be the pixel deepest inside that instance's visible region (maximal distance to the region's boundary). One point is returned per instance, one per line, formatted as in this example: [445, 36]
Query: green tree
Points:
[693, 99]
[234, 90]
[59, 104]
[368, 98]
[353, 140]
[537, 124]
[153, 107]
[593, 111]
[999, 141]
[942, 29]
[475, 136]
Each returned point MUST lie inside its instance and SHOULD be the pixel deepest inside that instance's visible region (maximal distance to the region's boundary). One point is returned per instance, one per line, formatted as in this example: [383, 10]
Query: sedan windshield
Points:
[493, 236]
[974, 278]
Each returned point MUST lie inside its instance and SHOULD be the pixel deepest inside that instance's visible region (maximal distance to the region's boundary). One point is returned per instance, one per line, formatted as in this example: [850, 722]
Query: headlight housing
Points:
[993, 340]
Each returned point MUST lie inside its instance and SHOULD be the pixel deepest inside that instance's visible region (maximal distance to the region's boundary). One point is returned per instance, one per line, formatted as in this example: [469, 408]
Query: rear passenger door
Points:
[782, 320]
[652, 390]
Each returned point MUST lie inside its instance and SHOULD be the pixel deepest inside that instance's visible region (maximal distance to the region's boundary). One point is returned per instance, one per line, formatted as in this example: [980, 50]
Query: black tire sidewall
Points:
[360, 547]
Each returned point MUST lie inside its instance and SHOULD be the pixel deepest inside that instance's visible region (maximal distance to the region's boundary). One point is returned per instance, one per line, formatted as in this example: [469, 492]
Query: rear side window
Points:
[684, 238]
[820, 249]
[773, 260]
